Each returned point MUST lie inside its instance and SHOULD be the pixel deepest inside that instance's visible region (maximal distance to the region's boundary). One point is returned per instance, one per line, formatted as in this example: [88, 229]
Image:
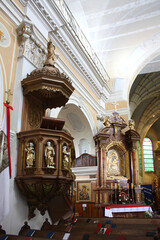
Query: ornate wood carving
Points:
[40, 173]
[113, 157]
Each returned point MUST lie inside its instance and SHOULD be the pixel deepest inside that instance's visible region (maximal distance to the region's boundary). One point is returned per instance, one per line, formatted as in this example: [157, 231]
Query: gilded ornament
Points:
[49, 155]
[66, 155]
[107, 121]
[30, 158]
[131, 124]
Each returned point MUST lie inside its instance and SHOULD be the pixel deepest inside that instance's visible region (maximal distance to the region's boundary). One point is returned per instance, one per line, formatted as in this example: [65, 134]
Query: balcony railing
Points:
[82, 38]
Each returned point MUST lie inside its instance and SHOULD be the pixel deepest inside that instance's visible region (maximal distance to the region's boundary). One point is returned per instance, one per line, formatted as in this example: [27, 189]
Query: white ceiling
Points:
[120, 31]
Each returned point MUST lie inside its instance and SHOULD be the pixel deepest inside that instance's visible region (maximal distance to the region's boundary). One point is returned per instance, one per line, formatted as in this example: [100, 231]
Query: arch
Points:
[77, 124]
[142, 55]
[78, 102]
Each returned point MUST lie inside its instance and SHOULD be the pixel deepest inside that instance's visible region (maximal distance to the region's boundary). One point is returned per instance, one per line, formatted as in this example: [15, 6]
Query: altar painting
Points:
[113, 163]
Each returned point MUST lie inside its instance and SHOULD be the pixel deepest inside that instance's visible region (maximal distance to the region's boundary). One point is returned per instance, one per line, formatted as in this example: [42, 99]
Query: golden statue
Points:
[30, 154]
[49, 155]
[50, 61]
[66, 155]
[107, 121]
[131, 124]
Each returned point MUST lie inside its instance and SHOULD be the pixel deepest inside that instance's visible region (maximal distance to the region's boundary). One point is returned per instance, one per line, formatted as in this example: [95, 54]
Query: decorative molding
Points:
[11, 9]
[30, 47]
[80, 37]
[83, 171]
[73, 50]
[85, 179]
[23, 2]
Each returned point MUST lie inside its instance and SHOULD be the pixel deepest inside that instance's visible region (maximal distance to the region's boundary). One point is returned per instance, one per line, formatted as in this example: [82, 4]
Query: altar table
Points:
[128, 208]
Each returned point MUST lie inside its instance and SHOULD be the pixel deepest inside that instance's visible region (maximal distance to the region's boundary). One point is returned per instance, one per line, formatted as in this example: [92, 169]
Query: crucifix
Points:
[8, 96]
[115, 106]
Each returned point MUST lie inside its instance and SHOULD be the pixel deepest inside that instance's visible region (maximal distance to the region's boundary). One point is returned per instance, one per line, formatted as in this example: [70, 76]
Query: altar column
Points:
[131, 140]
[135, 169]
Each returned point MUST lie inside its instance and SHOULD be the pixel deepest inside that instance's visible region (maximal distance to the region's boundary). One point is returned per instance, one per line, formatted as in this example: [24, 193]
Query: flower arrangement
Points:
[124, 198]
[153, 214]
[148, 214]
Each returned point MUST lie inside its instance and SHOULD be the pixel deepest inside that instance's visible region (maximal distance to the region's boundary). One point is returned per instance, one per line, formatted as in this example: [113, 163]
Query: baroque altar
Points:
[117, 179]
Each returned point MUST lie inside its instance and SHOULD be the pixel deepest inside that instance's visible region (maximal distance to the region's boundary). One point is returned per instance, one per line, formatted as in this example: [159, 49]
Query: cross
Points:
[115, 106]
[8, 96]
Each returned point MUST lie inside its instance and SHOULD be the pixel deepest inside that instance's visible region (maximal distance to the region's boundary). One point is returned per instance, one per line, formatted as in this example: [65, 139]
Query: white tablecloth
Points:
[117, 209]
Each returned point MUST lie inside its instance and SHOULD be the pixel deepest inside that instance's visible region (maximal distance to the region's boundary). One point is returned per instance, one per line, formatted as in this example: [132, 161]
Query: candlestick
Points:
[115, 193]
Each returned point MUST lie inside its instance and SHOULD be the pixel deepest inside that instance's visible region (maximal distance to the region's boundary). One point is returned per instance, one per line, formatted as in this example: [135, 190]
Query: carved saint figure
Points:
[107, 121]
[50, 61]
[131, 124]
[49, 155]
[30, 154]
[66, 155]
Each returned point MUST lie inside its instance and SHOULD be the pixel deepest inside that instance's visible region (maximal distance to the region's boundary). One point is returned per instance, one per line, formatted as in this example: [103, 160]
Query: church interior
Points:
[82, 78]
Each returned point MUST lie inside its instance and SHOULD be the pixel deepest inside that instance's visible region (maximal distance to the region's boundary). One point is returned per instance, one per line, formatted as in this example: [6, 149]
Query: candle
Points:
[111, 185]
[132, 185]
[127, 185]
[115, 185]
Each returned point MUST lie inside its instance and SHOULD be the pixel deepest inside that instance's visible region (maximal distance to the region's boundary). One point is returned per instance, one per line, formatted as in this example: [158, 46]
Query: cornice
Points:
[64, 39]
[23, 2]
[15, 14]
[83, 171]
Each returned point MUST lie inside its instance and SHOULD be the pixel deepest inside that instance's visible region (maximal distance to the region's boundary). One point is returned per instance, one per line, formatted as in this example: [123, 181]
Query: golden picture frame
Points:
[84, 191]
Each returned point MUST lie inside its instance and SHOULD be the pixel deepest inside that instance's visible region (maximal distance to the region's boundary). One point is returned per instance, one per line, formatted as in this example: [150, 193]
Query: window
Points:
[148, 155]
[140, 159]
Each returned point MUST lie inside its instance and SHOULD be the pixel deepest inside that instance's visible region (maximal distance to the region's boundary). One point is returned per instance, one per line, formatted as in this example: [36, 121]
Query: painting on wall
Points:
[83, 191]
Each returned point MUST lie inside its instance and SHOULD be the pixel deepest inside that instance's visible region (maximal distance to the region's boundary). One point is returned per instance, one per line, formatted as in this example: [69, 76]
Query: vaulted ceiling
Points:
[119, 31]
[125, 34]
